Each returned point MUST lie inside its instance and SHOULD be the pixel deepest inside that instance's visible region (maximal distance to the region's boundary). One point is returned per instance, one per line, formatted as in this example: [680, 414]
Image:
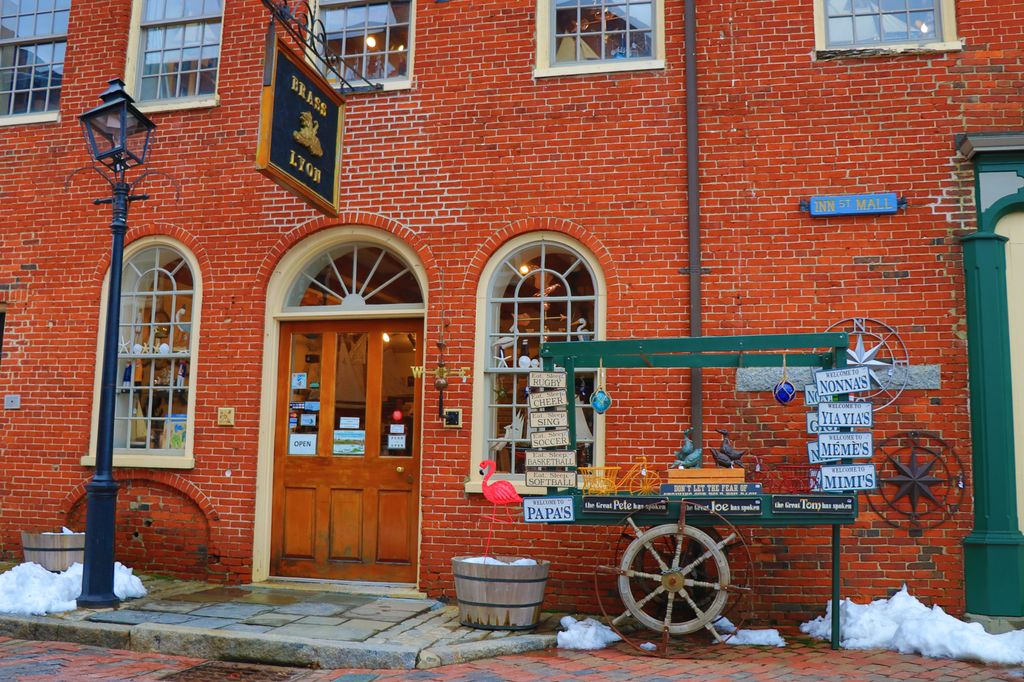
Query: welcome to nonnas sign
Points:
[855, 204]
[301, 119]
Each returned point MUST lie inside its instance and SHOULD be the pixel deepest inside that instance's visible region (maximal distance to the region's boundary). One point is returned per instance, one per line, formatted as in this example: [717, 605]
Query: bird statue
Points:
[688, 456]
[499, 493]
[726, 456]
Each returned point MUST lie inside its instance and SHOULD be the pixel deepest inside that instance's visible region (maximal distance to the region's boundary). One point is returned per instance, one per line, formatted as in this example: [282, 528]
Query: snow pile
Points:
[498, 562]
[769, 637]
[29, 589]
[587, 634]
[902, 623]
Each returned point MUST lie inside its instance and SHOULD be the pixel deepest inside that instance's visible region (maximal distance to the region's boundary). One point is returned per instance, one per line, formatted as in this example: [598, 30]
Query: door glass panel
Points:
[304, 394]
[350, 395]
[398, 388]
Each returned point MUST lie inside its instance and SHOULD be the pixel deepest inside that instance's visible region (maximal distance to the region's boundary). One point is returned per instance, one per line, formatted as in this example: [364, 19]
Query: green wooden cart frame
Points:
[821, 350]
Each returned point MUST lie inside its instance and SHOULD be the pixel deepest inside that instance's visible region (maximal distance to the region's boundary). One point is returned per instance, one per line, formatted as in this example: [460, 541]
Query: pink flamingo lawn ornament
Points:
[499, 493]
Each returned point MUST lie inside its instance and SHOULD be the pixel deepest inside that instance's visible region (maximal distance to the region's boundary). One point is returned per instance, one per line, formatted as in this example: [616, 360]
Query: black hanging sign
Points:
[301, 119]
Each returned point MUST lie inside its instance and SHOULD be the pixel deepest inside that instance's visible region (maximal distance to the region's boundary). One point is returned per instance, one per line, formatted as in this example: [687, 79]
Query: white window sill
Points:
[147, 461]
[520, 486]
[860, 51]
[609, 66]
[158, 106]
[26, 119]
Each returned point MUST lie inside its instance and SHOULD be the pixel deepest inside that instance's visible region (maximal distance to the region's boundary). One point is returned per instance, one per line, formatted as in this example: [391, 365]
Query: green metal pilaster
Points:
[994, 551]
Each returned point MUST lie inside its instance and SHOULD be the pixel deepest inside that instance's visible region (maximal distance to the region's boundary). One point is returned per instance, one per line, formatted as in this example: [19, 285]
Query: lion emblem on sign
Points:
[306, 134]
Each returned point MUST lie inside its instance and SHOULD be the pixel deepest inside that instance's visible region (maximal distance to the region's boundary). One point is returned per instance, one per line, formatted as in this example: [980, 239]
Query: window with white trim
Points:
[33, 38]
[179, 49]
[371, 40]
[885, 25]
[155, 353]
[599, 36]
[542, 291]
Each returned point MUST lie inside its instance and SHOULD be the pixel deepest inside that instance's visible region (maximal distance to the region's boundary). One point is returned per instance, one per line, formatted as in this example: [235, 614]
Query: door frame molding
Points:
[287, 269]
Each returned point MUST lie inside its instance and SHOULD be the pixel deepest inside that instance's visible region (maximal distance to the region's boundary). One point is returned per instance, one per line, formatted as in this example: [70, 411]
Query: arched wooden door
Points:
[347, 450]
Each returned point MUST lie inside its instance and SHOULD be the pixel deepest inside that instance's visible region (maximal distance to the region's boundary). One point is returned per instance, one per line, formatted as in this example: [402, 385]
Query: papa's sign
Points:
[301, 119]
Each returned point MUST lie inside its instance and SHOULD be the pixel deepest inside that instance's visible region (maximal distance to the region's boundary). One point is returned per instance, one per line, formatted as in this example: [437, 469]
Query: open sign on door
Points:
[302, 444]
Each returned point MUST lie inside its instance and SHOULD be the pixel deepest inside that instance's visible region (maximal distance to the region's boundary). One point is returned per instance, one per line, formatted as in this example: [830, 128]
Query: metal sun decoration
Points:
[599, 399]
[784, 391]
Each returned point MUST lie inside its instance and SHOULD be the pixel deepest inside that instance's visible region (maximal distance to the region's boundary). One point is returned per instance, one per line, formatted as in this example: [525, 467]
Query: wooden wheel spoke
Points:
[643, 602]
[629, 573]
[711, 628]
[648, 546]
[679, 548]
[708, 554]
[701, 583]
[622, 616]
[701, 615]
[668, 610]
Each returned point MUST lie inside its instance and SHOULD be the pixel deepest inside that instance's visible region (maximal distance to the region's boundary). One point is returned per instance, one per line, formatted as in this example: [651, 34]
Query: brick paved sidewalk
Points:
[800, 661]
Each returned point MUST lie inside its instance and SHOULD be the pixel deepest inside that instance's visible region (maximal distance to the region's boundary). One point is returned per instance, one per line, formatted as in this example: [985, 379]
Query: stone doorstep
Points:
[266, 647]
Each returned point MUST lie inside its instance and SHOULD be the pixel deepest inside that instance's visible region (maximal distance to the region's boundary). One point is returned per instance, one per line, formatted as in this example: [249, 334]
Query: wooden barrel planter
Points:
[499, 597]
[54, 551]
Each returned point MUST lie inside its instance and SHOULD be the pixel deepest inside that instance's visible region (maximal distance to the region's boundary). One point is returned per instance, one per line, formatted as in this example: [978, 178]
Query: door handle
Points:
[399, 469]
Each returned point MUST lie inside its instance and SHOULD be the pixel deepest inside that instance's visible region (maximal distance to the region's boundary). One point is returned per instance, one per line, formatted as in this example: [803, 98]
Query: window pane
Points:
[640, 16]
[839, 7]
[894, 26]
[865, 6]
[922, 26]
[866, 29]
[893, 5]
[640, 44]
[840, 31]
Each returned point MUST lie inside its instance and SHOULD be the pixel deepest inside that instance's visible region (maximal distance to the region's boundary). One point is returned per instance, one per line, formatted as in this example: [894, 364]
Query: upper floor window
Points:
[587, 30]
[869, 22]
[885, 25]
[591, 36]
[33, 38]
[179, 49]
[370, 40]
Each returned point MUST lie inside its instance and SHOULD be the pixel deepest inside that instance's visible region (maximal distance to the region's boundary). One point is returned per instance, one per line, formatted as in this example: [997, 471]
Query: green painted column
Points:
[994, 551]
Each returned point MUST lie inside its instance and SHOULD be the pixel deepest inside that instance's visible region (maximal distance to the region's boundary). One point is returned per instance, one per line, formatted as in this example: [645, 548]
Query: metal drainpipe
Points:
[693, 213]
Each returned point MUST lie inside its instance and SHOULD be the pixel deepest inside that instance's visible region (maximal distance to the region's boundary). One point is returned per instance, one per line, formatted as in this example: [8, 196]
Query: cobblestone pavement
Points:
[800, 661]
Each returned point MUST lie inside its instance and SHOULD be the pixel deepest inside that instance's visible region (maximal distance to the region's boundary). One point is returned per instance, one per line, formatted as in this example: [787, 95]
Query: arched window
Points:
[536, 292]
[356, 275]
[157, 341]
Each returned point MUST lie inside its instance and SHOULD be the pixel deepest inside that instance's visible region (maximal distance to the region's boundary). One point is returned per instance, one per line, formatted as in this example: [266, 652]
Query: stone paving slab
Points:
[233, 610]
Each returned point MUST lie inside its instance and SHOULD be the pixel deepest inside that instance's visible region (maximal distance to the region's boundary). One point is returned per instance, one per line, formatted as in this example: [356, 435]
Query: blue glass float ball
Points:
[784, 392]
[600, 401]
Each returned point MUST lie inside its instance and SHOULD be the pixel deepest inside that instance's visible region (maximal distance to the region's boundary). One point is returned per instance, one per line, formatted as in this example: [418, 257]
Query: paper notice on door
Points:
[396, 441]
[348, 422]
[397, 428]
[302, 444]
[307, 419]
[298, 380]
[349, 442]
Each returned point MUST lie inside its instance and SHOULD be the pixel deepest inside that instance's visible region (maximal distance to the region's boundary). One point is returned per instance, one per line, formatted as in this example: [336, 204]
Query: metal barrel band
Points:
[504, 606]
[55, 549]
[501, 580]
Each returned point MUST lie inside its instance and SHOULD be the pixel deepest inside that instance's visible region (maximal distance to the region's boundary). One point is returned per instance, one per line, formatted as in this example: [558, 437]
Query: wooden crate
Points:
[54, 551]
[707, 475]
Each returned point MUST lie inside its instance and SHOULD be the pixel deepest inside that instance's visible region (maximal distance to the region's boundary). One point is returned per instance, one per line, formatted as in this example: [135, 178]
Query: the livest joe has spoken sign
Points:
[301, 118]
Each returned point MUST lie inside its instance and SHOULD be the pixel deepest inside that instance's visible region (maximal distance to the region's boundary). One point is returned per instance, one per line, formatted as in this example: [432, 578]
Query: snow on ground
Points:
[586, 634]
[902, 623]
[498, 562]
[29, 589]
[769, 637]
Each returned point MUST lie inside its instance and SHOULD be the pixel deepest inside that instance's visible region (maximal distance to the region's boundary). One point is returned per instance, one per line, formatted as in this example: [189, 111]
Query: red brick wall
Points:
[480, 151]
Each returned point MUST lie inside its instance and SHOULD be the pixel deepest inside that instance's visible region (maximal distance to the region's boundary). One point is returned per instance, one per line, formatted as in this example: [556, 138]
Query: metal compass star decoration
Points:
[877, 347]
[920, 481]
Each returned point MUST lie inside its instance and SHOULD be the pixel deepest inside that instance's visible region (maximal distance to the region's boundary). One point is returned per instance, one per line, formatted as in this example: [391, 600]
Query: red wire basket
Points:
[782, 479]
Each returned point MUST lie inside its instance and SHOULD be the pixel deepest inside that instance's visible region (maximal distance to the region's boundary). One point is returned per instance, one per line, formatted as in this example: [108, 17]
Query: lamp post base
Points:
[98, 564]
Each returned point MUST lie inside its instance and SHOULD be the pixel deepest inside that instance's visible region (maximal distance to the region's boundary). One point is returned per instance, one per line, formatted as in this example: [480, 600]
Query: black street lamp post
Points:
[118, 137]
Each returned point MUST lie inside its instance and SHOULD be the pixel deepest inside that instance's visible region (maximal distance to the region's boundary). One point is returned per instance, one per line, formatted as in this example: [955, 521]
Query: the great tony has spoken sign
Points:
[301, 118]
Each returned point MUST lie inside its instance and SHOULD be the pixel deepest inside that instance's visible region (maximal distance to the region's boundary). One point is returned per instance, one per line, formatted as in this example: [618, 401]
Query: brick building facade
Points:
[488, 144]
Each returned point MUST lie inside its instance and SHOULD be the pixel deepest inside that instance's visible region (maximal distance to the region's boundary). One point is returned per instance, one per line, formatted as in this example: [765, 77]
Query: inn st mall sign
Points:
[301, 119]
